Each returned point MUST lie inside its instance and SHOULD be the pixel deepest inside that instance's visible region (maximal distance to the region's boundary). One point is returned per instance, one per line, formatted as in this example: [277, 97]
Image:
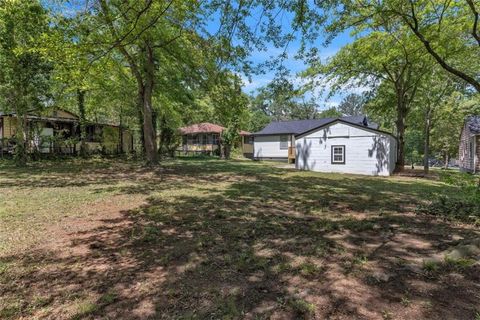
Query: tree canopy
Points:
[155, 66]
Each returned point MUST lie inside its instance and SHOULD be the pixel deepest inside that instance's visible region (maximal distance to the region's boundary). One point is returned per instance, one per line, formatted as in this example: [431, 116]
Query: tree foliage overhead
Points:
[352, 105]
[24, 70]
[156, 65]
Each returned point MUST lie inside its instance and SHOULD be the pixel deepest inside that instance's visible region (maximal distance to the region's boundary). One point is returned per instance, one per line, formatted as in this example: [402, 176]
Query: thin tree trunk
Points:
[400, 123]
[120, 130]
[21, 139]
[83, 121]
[140, 123]
[446, 160]
[426, 146]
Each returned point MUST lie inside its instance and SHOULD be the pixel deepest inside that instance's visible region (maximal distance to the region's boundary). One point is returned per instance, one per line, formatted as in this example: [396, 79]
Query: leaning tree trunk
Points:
[426, 145]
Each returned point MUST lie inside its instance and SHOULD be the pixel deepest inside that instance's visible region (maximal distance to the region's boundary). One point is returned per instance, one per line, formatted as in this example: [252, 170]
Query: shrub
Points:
[463, 205]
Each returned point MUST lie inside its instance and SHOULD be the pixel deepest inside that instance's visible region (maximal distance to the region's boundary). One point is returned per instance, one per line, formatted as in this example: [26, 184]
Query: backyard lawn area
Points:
[213, 239]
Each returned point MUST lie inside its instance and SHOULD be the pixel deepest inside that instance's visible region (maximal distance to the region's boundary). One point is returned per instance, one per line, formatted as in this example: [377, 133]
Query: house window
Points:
[338, 154]
[204, 139]
[195, 139]
[248, 139]
[215, 139]
[472, 152]
[283, 142]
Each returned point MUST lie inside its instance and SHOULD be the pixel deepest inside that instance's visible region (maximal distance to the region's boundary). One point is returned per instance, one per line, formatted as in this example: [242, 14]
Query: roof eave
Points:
[272, 134]
[342, 121]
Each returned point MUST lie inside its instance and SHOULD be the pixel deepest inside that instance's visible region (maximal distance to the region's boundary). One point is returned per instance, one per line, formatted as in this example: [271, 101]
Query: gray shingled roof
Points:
[474, 124]
[300, 126]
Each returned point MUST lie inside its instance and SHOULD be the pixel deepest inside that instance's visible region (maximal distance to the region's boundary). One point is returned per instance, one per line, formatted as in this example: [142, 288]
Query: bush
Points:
[463, 205]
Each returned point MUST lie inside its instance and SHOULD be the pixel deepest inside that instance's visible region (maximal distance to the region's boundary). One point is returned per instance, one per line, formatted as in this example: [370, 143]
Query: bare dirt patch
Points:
[241, 240]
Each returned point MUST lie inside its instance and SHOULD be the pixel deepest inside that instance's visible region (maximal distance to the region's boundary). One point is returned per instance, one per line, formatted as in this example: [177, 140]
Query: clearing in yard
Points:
[200, 238]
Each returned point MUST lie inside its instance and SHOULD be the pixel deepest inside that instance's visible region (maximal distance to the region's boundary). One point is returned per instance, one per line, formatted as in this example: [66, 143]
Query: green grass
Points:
[198, 238]
[301, 307]
[84, 309]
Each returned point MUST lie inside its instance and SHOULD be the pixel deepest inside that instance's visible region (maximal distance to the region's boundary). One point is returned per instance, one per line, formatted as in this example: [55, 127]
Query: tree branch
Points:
[476, 17]
[416, 30]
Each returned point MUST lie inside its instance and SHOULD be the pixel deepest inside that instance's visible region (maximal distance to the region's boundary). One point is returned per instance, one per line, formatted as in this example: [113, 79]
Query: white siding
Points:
[269, 147]
[366, 151]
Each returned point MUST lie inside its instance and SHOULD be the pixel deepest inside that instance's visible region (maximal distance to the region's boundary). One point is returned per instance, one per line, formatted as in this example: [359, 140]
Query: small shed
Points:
[345, 147]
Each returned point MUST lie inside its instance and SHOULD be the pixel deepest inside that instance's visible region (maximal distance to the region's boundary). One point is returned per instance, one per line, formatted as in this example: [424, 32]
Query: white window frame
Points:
[334, 153]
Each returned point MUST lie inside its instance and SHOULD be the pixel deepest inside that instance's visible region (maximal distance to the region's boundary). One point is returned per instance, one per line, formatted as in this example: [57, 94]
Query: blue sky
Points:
[293, 65]
[296, 66]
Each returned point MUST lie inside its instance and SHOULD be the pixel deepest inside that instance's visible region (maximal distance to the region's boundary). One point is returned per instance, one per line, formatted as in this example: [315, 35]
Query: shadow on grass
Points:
[264, 245]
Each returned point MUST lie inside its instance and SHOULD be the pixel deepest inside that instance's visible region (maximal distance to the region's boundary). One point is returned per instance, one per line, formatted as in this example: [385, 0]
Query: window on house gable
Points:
[338, 154]
[283, 142]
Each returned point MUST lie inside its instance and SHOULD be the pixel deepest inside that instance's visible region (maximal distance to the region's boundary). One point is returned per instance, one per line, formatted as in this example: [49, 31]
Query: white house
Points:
[345, 145]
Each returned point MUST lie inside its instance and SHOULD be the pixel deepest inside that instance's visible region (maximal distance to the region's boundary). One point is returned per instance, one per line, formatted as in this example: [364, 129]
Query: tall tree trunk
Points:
[83, 121]
[400, 123]
[140, 124]
[426, 145]
[120, 130]
[145, 96]
[21, 133]
[447, 158]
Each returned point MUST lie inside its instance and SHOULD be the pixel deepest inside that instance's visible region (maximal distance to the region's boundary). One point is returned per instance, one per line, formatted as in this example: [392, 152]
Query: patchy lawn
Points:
[197, 239]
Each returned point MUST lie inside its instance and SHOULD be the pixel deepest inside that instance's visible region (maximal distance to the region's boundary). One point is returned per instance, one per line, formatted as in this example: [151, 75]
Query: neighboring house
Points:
[204, 138]
[58, 131]
[345, 145]
[469, 149]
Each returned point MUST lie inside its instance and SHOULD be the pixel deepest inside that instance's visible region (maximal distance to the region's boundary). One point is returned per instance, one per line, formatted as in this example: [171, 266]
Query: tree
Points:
[433, 90]
[24, 72]
[384, 61]
[231, 107]
[330, 113]
[142, 32]
[449, 120]
[448, 31]
[75, 73]
[280, 100]
[352, 105]
[413, 146]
